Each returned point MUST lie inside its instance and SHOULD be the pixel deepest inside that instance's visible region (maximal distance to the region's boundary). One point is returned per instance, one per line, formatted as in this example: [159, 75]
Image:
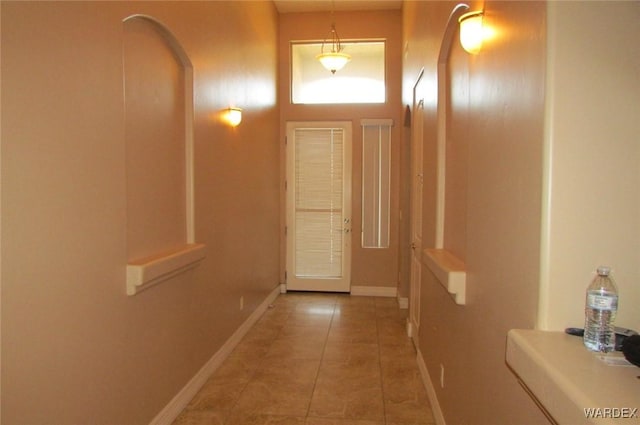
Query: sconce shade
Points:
[234, 116]
[334, 60]
[471, 32]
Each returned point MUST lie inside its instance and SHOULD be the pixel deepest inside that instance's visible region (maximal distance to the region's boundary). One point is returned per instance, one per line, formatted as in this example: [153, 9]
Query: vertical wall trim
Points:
[443, 98]
[0, 237]
[547, 169]
[189, 154]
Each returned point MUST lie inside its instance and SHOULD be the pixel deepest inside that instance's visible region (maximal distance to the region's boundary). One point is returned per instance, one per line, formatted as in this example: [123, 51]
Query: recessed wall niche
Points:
[450, 237]
[158, 93]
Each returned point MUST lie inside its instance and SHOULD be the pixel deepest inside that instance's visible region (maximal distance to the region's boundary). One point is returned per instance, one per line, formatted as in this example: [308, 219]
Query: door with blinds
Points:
[318, 206]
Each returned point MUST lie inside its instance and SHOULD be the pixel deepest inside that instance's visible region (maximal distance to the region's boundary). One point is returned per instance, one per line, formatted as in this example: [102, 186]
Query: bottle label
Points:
[602, 302]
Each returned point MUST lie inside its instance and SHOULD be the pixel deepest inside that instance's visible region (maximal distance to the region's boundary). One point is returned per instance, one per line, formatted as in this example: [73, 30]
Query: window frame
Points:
[384, 42]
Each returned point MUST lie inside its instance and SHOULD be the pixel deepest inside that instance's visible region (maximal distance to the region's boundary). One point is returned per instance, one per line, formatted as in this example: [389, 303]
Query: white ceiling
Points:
[289, 6]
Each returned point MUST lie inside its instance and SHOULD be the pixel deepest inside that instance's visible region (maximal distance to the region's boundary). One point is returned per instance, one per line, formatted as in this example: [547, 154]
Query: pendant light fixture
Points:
[335, 59]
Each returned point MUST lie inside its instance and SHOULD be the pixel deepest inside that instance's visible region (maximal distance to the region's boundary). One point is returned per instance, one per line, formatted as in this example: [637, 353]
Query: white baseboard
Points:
[374, 291]
[431, 391]
[403, 302]
[180, 401]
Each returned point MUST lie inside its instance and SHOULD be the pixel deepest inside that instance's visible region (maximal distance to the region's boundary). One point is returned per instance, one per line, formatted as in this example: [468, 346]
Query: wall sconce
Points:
[471, 32]
[233, 116]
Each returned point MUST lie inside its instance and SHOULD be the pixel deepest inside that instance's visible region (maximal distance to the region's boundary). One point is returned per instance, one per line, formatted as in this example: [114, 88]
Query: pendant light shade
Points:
[335, 59]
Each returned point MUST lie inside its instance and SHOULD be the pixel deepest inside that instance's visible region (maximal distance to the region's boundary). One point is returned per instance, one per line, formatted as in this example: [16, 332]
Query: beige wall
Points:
[370, 267]
[593, 159]
[496, 117]
[548, 117]
[75, 347]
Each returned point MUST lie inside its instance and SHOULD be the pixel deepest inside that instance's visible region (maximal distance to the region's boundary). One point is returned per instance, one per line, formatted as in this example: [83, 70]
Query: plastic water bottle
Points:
[600, 311]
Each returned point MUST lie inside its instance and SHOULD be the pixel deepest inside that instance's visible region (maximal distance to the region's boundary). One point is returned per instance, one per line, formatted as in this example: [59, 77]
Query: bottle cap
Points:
[604, 270]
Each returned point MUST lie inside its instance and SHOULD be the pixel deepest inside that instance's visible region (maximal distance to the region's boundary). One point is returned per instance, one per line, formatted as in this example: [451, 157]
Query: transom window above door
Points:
[362, 80]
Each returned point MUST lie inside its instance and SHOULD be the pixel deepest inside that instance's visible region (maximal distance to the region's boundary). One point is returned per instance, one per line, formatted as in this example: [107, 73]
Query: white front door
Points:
[417, 184]
[318, 206]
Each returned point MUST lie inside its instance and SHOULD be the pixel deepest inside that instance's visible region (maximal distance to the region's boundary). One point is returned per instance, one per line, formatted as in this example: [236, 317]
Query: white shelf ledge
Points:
[450, 271]
[149, 271]
[565, 378]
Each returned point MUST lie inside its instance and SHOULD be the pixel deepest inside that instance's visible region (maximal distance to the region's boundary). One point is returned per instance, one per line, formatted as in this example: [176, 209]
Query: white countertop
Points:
[566, 379]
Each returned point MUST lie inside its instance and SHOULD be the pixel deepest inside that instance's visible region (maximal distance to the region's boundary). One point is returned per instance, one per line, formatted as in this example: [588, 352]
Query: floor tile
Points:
[297, 348]
[320, 317]
[304, 332]
[235, 369]
[215, 397]
[268, 396]
[342, 319]
[347, 400]
[353, 334]
[286, 369]
[318, 359]
[258, 419]
[351, 353]
[406, 401]
[333, 421]
[279, 387]
[198, 417]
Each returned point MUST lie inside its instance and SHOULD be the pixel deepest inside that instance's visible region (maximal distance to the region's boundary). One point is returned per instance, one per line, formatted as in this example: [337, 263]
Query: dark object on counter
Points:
[631, 349]
[575, 331]
[621, 335]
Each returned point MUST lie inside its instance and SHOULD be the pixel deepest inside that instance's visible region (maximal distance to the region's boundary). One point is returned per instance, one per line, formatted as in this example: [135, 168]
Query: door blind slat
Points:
[318, 202]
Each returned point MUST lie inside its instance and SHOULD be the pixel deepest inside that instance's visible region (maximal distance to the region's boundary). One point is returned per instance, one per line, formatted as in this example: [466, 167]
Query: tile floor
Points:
[318, 359]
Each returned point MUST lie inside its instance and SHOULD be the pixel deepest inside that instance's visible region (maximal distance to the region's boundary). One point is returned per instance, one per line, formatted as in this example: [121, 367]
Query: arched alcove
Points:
[158, 95]
[445, 265]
